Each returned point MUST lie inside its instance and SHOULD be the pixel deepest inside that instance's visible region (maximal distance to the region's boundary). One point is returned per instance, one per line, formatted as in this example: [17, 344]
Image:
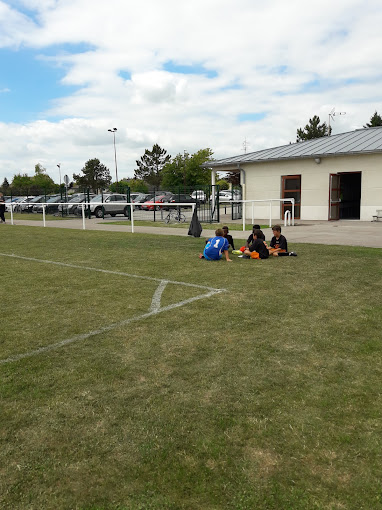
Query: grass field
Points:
[255, 386]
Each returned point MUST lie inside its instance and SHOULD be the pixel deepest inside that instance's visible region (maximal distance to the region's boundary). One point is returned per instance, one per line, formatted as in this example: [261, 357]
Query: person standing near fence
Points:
[2, 208]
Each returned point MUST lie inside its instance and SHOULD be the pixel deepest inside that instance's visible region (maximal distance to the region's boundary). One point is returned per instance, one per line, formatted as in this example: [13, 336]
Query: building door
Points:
[350, 206]
[291, 188]
[334, 196]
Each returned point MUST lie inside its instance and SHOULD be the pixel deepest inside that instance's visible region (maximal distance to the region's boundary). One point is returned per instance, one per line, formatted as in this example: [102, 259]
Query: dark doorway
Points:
[350, 195]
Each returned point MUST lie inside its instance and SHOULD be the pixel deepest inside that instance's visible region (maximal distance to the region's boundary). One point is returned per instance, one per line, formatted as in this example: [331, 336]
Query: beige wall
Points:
[263, 181]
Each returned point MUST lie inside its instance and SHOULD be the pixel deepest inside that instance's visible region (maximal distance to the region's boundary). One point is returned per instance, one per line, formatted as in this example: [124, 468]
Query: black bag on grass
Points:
[195, 226]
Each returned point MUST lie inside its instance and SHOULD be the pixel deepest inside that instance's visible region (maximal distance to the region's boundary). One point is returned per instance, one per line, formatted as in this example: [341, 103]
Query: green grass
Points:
[266, 396]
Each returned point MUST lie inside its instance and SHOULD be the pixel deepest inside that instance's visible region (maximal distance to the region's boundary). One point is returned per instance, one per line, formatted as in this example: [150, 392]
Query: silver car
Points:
[112, 203]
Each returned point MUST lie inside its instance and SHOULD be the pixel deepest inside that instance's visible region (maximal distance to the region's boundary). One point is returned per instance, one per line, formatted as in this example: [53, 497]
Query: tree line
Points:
[155, 169]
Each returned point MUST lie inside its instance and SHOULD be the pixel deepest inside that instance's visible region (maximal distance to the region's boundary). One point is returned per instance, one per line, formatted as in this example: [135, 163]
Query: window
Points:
[291, 188]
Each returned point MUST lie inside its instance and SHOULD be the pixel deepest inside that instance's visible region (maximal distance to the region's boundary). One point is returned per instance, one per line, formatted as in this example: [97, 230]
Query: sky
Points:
[222, 74]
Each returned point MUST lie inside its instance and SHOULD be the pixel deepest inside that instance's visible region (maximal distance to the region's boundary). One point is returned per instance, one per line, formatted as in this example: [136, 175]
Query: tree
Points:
[375, 120]
[21, 183]
[187, 171]
[222, 183]
[233, 178]
[313, 130]
[151, 165]
[136, 185]
[5, 185]
[95, 176]
[41, 181]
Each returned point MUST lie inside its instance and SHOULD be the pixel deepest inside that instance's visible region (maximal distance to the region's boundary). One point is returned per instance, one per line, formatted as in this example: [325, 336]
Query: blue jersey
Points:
[215, 247]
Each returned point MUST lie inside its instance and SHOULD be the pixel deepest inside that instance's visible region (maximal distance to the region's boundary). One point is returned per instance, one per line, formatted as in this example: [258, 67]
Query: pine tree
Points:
[313, 130]
[375, 120]
[151, 165]
[95, 176]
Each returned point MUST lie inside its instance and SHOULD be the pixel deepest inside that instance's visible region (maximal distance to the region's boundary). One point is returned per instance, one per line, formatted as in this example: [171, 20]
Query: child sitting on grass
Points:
[258, 249]
[215, 247]
[279, 245]
[250, 238]
[228, 237]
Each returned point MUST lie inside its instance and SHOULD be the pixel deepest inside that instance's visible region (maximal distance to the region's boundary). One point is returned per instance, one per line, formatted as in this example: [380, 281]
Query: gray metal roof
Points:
[361, 141]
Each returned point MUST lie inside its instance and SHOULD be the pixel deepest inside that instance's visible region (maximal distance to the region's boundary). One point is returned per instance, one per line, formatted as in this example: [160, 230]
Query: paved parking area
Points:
[343, 232]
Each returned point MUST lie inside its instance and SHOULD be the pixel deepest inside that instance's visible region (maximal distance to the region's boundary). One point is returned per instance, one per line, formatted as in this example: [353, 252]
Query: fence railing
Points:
[85, 208]
[85, 205]
[266, 201]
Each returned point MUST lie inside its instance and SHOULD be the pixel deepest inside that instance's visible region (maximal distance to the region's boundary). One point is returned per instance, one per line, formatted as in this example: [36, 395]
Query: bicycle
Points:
[175, 216]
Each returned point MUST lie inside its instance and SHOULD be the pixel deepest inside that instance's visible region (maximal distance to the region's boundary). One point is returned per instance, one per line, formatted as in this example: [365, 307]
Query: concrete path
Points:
[343, 232]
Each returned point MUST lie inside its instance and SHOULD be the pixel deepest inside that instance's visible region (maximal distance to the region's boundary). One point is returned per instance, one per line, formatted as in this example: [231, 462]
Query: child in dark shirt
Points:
[258, 248]
[228, 237]
[279, 244]
[250, 238]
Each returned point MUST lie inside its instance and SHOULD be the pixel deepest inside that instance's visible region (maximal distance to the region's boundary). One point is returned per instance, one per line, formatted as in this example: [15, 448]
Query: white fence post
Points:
[83, 215]
[270, 213]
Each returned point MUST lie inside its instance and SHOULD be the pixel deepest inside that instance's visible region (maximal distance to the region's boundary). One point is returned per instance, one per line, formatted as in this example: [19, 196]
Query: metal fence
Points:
[209, 200]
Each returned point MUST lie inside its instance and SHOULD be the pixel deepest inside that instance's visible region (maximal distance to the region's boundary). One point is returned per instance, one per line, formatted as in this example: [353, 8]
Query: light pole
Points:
[115, 154]
[59, 170]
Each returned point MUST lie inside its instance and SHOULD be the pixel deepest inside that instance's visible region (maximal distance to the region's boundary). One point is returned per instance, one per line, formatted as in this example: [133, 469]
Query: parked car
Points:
[159, 199]
[14, 201]
[140, 200]
[22, 203]
[51, 204]
[228, 196]
[72, 206]
[112, 203]
[28, 207]
[199, 195]
[181, 198]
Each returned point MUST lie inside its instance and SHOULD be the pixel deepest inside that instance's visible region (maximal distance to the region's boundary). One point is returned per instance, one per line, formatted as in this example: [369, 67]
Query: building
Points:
[334, 177]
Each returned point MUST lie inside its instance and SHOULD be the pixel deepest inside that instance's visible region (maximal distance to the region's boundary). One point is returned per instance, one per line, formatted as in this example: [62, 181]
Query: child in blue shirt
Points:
[215, 247]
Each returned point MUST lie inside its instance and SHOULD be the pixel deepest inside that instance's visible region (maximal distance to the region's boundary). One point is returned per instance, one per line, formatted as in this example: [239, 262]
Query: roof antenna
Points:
[245, 145]
[332, 114]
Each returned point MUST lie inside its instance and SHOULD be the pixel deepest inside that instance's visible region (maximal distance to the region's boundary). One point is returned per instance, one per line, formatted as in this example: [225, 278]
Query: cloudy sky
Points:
[186, 75]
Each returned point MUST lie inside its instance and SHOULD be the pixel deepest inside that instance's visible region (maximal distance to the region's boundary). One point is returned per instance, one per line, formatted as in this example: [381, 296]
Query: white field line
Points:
[155, 307]
[105, 329]
[155, 302]
[64, 264]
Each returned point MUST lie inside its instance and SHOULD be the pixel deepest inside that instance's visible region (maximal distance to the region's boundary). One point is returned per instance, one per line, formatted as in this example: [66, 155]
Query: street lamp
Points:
[115, 154]
[59, 169]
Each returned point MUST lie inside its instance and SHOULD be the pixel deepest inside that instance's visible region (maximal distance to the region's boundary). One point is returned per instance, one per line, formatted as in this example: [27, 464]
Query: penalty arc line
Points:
[155, 302]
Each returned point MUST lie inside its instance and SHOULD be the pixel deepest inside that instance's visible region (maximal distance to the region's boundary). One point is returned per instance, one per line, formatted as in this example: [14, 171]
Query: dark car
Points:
[181, 198]
[51, 204]
[28, 207]
[74, 203]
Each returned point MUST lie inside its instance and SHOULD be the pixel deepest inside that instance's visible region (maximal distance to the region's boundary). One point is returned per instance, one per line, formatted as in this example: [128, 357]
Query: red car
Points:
[150, 204]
